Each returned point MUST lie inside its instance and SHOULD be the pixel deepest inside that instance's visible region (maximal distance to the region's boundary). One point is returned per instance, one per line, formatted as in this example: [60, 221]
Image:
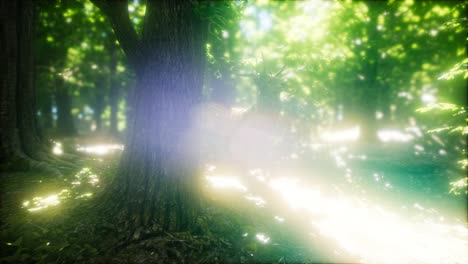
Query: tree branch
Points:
[117, 13]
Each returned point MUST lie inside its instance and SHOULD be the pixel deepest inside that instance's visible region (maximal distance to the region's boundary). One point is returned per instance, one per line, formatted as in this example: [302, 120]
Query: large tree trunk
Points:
[28, 129]
[155, 185]
[9, 139]
[65, 126]
[19, 131]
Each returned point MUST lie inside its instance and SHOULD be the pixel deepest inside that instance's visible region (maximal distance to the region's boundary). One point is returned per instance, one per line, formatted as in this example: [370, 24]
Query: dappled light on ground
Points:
[38, 203]
[79, 187]
[361, 227]
[100, 149]
[373, 233]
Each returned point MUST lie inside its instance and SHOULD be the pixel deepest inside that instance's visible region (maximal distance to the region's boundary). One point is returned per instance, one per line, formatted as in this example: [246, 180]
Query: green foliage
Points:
[460, 68]
[460, 120]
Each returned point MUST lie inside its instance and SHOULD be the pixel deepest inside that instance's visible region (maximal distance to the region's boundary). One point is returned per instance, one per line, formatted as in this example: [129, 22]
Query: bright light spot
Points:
[428, 98]
[351, 134]
[262, 238]
[442, 152]
[210, 167]
[433, 32]
[223, 182]
[101, 149]
[94, 66]
[405, 95]
[419, 147]
[296, 197]
[245, 234]
[93, 179]
[225, 34]
[393, 135]
[86, 195]
[379, 115]
[40, 203]
[238, 111]
[131, 8]
[367, 231]
[279, 219]
[57, 149]
[265, 20]
[85, 174]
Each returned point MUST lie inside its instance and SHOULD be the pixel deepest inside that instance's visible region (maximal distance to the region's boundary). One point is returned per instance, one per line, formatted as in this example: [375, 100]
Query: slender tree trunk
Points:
[99, 101]
[65, 126]
[20, 144]
[370, 86]
[114, 91]
[46, 110]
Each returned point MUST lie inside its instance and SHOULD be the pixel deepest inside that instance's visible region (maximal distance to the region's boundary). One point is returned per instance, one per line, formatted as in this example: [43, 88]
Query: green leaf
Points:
[438, 106]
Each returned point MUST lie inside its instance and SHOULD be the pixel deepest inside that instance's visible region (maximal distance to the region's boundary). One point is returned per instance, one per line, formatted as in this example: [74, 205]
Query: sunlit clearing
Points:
[393, 135]
[57, 149]
[102, 149]
[373, 234]
[262, 238]
[224, 182]
[39, 203]
[351, 134]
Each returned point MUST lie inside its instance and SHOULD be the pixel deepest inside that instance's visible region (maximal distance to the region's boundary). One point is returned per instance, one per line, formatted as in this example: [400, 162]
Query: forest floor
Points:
[275, 219]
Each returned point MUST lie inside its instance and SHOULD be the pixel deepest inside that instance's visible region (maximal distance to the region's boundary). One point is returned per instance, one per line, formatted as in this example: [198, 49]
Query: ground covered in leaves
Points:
[70, 228]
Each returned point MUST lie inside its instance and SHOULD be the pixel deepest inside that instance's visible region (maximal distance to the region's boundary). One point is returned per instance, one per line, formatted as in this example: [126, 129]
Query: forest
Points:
[261, 131]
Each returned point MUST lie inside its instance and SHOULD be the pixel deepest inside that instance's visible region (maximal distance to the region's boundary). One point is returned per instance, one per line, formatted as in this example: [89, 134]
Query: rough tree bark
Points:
[28, 129]
[155, 184]
[9, 139]
[21, 146]
[19, 136]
